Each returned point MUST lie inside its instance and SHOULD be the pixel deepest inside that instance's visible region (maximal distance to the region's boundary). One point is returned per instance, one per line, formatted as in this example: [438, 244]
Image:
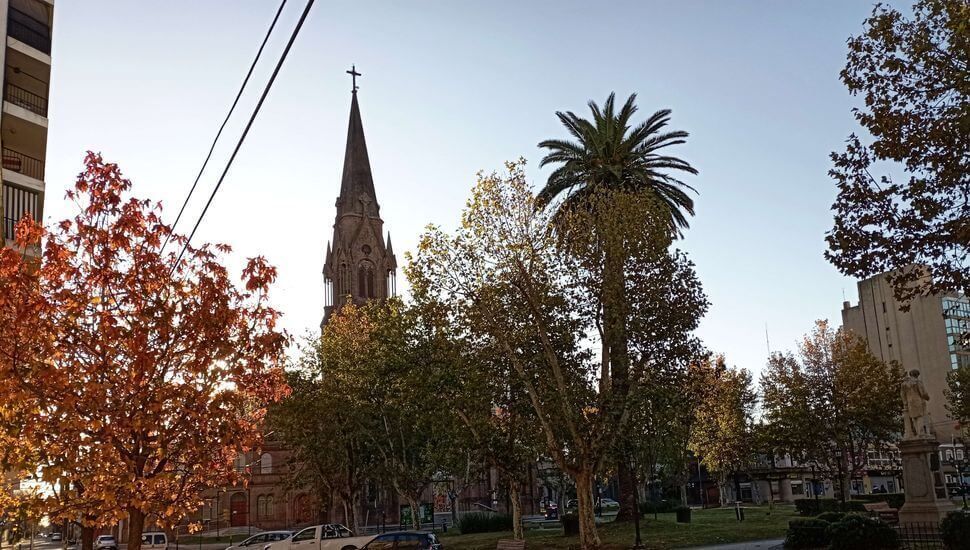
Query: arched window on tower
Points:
[266, 464]
[365, 280]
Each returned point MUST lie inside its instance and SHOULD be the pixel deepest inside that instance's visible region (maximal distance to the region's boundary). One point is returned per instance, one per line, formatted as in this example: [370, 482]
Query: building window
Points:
[240, 463]
[266, 464]
[956, 320]
[365, 280]
[265, 507]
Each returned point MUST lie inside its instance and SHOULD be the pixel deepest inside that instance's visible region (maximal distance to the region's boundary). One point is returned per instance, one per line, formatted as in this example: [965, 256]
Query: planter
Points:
[683, 514]
[570, 525]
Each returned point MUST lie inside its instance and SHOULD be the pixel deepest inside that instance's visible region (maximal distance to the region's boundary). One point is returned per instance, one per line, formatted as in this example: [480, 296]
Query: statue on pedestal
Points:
[915, 417]
[926, 498]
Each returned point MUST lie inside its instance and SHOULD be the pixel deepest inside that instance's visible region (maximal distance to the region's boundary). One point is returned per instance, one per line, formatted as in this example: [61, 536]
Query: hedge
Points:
[895, 500]
[660, 507]
[955, 530]
[855, 531]
[811, 507]
[807, 533]
[484, 522]
[831, 517]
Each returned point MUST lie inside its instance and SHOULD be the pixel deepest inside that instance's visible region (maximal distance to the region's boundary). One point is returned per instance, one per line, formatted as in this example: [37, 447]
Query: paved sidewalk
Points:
[773, 544]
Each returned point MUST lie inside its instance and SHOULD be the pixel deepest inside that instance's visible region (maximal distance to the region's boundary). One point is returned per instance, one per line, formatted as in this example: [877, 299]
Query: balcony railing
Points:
[28, 30]
[16, 203]
[28, 100]
[26, 165]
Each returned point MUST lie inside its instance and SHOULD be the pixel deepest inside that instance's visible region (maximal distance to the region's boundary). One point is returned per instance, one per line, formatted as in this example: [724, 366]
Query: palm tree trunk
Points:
[615, 337]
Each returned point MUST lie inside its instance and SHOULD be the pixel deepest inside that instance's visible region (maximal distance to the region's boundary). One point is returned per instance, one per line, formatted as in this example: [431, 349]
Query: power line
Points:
[224, 122]
[252, 118]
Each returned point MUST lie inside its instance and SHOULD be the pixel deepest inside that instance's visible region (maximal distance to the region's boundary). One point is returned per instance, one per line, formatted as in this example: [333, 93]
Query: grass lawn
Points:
[713, 526]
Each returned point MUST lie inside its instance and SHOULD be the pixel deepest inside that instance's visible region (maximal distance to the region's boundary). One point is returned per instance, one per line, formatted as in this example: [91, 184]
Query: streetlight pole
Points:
[961, 468]
[815, 490]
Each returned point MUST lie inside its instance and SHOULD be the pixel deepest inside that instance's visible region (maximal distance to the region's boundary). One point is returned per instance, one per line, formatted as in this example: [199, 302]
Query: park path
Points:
[771, 544]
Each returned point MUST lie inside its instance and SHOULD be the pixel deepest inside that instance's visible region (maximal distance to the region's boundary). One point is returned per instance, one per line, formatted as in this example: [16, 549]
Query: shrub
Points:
[831, 517]
[807, 506]
[855, 531]
[895, 500]
[660, 507]
[955, 530]
[483, 522]
[807, 533]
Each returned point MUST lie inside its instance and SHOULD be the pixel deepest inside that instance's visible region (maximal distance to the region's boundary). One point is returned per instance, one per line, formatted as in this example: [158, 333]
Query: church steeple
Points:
[357, 184]
[359, 266]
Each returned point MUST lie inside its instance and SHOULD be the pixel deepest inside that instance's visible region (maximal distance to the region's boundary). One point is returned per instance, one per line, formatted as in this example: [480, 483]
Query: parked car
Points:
[322, 537]
[262, 539]
[405, 539]
[154, 540]
[56, 537]
[106, 542]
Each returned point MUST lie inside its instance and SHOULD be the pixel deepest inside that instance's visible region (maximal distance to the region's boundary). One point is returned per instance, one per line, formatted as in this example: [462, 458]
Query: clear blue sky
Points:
[450, 88]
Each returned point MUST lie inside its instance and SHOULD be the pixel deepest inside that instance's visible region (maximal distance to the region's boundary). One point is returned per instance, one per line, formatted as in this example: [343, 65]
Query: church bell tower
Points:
[360, 265]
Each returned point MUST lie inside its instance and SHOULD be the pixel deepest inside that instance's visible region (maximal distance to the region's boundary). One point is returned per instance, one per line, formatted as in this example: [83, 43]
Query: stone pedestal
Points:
[926, 498]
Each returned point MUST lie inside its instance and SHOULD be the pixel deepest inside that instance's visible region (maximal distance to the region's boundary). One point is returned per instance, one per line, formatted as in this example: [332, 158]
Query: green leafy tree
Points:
[328, 430]
[610, 154]
[912, 73]
[527, 288]
[832, 404]
[958, 398]
[723, 436]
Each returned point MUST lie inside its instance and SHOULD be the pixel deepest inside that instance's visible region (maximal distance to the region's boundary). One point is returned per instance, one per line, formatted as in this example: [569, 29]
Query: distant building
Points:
[928, 337]
[925, 338]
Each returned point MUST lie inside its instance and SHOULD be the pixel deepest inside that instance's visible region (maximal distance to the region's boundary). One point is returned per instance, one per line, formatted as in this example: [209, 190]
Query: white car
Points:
[261, 540]
[330, 536]
[106, 542]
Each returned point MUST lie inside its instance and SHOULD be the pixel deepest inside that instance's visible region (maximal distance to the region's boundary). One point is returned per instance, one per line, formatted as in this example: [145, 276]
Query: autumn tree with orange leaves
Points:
[134, 377]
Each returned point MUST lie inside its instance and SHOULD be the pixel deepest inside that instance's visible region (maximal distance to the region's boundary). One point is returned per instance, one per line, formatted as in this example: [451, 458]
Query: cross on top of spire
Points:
[353, 75]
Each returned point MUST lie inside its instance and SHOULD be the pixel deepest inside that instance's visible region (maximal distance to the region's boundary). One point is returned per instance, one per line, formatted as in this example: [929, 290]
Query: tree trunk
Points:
[87, 537]
[626, 484]
[737, 487]
[846, 484]
[415, 512]
[588, 537]
[683, 493]
[515, 500]
[136, 525]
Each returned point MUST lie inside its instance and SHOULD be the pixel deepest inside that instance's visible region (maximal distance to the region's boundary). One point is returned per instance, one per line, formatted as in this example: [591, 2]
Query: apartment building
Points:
[26, 59]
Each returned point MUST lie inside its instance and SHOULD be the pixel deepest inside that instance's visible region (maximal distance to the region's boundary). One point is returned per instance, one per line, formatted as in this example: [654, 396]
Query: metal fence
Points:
[25, 164]
[28, 30]
[920, 536]
[28, 100]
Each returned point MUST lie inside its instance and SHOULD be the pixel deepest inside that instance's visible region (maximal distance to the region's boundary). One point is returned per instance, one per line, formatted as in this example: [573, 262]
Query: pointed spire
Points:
[357, 185]
[390, 249]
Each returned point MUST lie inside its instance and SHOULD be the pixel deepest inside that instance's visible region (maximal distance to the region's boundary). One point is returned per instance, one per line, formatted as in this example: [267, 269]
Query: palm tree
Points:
[610, 156]
[607, 154]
